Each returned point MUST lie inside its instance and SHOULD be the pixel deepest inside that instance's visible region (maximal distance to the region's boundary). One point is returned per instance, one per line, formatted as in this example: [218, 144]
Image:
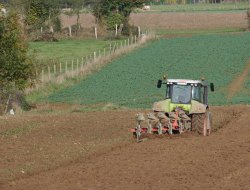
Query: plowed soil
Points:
[172, 21]
[61, 147]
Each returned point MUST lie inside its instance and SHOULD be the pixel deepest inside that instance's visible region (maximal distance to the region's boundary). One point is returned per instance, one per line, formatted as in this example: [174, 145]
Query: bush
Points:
[112, 20]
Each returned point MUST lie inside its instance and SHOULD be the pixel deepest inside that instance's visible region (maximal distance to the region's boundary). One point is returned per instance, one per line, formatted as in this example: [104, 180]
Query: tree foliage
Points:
[104, 9]
[16, 68]
[39, 11]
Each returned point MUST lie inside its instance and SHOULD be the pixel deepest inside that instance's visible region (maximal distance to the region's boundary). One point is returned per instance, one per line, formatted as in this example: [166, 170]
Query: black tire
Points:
[198, 123]
[202, 123]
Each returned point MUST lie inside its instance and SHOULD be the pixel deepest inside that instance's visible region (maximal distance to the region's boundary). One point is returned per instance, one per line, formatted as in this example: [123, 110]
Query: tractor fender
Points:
[161, 106]
[197, 107]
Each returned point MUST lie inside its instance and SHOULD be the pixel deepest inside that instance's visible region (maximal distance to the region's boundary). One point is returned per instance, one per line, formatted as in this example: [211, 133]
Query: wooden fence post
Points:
[94, 56]
[95, 33]
[70, 34]
[116, 30]
[139, 31]
[42, 75]
[54, 69]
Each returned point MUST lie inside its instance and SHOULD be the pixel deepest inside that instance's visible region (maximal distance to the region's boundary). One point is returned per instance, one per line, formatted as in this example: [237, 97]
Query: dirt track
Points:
[71, 150]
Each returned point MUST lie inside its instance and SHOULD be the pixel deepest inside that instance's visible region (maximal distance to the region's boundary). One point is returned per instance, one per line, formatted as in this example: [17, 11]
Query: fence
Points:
[59, 71]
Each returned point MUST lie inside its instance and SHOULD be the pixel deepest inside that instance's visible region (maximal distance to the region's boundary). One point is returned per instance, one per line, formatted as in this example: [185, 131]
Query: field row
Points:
[130, 81]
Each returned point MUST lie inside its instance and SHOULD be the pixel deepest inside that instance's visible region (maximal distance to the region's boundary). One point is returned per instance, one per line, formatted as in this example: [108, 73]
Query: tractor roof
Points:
[186, 81]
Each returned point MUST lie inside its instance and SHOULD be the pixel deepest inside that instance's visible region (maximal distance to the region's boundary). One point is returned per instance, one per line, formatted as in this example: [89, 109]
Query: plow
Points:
[185, 108]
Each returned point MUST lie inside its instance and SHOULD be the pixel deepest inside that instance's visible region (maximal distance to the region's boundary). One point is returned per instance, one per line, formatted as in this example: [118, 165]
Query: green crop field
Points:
[218, 7]
[130, 81]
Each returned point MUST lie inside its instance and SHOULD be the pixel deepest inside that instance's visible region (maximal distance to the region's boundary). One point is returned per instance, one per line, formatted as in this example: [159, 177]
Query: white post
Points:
[116, 30]
[139, 31]
[94, 56]
[54, 69]
[70, 34]
[41, 29]
[42, 75]
[95, 33]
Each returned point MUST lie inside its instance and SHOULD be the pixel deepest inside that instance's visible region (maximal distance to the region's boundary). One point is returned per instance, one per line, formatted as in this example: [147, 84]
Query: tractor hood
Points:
[167, 106]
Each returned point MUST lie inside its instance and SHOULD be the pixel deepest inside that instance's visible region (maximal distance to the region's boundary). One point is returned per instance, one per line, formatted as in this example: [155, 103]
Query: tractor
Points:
[185, 108]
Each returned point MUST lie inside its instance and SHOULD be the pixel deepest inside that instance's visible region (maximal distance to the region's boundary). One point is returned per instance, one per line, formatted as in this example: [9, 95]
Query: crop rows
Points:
[130, 81]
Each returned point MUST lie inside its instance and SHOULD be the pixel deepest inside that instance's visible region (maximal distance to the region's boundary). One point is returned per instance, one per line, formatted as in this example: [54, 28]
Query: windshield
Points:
[181, 94]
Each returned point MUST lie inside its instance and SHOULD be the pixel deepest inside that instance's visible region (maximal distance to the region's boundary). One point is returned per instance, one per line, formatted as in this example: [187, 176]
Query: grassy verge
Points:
[48, 53]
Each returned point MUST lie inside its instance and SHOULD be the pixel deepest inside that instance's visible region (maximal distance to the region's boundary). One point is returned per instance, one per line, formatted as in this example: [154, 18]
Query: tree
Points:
[16, 68]
[105, 9]
[39, 11]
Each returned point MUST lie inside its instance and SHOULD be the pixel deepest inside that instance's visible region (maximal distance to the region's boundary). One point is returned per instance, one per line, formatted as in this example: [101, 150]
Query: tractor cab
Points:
[190, 95]
[183, 91]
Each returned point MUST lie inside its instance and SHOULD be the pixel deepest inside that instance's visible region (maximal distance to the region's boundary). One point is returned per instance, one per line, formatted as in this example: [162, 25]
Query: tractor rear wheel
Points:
[201, 123]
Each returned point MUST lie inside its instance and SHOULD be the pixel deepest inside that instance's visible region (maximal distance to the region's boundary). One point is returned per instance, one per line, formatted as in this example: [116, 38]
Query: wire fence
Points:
[77, 65]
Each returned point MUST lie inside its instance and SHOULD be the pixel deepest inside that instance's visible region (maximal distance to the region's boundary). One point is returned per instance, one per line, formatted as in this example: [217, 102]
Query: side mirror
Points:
[159, 83]
[212, 87]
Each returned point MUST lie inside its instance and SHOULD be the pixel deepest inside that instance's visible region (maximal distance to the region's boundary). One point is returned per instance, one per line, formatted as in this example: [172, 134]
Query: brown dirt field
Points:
[173, 20]
[59, 147]
[190, 20]
[237, 84]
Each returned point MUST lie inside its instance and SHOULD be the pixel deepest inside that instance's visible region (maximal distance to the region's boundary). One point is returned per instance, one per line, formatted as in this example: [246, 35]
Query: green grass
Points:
[232, 7]
[130, 81]
[163, 32]
[48, 53]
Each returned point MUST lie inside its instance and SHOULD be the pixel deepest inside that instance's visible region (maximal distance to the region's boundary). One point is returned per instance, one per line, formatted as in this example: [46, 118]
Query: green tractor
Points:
[185, 108]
